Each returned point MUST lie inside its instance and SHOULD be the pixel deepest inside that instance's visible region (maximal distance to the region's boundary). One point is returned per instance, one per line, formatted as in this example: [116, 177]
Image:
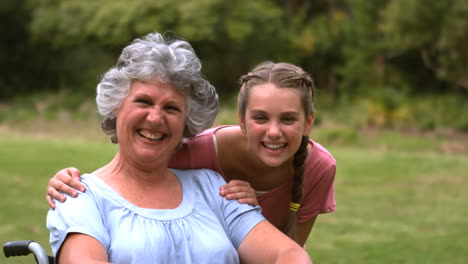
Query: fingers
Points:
[50, 202]
[251, 201]
[239, 190]
[236, 186]
[56, 186]
[65, 181]
[71, 177]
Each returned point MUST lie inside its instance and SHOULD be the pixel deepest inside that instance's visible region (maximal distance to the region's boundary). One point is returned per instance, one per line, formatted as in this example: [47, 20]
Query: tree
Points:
[23, 63]
[435, 30]
[351, 47]
[230, 36]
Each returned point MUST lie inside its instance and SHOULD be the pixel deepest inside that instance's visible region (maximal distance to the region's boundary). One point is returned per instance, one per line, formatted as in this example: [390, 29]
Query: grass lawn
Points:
[26, 164]
[394, 206]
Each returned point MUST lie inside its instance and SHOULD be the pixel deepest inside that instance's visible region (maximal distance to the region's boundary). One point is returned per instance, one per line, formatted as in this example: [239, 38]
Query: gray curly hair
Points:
[169, 60]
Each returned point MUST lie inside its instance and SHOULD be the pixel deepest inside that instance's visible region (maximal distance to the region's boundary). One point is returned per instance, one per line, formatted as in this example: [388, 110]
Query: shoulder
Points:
[227, 132]
[201, 173]
[231, 145]
[71, 210]
[200, 177]
[203, 138]
[319, 178]
[320, 155]
[205, 141]
[90, 180]
[211, 131]
[84, 199]
[195, 152]
[69, 217]
[320, 163]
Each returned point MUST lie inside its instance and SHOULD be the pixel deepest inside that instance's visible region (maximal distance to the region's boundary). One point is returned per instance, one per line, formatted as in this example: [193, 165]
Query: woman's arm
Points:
[266, 244]
[80, 248]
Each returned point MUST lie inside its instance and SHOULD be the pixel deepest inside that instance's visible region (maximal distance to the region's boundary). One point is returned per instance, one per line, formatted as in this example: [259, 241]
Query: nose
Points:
[155, 115]
[274, 130]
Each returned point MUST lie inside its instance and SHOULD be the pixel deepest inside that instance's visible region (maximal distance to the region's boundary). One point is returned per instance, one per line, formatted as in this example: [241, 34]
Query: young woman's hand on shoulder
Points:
[239, 190]
[65, 181]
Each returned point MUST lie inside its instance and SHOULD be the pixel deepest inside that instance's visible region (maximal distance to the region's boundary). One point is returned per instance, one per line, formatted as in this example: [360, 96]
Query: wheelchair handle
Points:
[24, 248]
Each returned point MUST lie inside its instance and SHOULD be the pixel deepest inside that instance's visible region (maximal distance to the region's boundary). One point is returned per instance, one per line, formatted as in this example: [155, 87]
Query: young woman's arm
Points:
[68, 181]
[196, 153]
[303, 230]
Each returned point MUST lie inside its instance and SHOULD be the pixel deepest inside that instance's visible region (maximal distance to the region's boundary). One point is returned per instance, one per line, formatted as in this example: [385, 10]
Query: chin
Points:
[273, 162]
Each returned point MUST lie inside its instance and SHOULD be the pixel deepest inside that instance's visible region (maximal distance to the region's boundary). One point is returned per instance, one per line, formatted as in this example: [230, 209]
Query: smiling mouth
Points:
[274, 146]
[151, 136]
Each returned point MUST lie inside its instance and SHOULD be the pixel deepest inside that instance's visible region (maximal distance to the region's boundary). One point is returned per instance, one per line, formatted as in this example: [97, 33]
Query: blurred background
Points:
[394, 63]
[392, 90]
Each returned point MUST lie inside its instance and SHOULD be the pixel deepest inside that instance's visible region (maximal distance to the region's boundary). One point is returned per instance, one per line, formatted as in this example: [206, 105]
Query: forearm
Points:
[79, 248]
[80, 261]
[303, 230]
[266, 244]
[293, 255]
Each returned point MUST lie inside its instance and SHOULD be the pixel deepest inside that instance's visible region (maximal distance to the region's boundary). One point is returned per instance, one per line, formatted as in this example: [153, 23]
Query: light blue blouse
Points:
[205, 228]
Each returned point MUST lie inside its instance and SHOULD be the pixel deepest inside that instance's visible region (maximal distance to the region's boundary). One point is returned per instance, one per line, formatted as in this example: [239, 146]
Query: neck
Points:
[146, 187]
[129, 170]
[241, 164]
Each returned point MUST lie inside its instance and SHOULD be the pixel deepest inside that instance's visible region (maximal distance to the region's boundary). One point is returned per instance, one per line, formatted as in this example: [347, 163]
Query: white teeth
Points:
[146, 134]
[274, 146]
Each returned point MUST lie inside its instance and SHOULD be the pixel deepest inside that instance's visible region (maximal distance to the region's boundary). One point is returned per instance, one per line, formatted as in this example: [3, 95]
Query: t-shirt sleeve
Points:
[76, 215]
[196, 153]
[238, 219]
[319, 190]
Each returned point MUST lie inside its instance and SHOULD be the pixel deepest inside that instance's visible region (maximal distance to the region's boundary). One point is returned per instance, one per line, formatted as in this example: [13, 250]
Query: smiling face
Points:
[274, 123]
[150, 122]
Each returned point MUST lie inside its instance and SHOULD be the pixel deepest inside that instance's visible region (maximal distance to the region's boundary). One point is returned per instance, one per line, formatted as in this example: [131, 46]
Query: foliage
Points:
[218, 30]
[353, 48]
[435, 31]
[23, 64]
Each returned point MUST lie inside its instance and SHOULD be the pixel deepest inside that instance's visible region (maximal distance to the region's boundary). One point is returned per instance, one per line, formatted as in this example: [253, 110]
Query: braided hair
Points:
[284, 75]
[296, 190]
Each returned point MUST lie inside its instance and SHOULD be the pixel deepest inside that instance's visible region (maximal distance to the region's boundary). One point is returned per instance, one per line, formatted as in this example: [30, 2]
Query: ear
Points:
[241, 121]
[309, 123]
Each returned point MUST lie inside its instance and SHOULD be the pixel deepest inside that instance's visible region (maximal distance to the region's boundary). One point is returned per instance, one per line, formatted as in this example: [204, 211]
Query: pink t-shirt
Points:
[319, 192]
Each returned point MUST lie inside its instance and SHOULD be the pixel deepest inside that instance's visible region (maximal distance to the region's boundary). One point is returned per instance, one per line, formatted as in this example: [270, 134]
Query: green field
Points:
[394, 205]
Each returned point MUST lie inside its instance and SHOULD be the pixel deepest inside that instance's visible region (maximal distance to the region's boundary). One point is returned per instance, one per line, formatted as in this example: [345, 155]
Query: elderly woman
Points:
[136, 209]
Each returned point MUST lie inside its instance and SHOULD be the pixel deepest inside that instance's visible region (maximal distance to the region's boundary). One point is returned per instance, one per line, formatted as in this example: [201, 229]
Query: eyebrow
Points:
[139, 94]
[258, 111]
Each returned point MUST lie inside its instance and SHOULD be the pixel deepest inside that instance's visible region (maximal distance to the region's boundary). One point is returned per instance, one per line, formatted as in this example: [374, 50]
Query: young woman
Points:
[269, 151]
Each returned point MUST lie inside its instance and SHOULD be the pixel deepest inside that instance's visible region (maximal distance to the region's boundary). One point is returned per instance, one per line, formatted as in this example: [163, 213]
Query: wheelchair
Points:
[26, 247]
